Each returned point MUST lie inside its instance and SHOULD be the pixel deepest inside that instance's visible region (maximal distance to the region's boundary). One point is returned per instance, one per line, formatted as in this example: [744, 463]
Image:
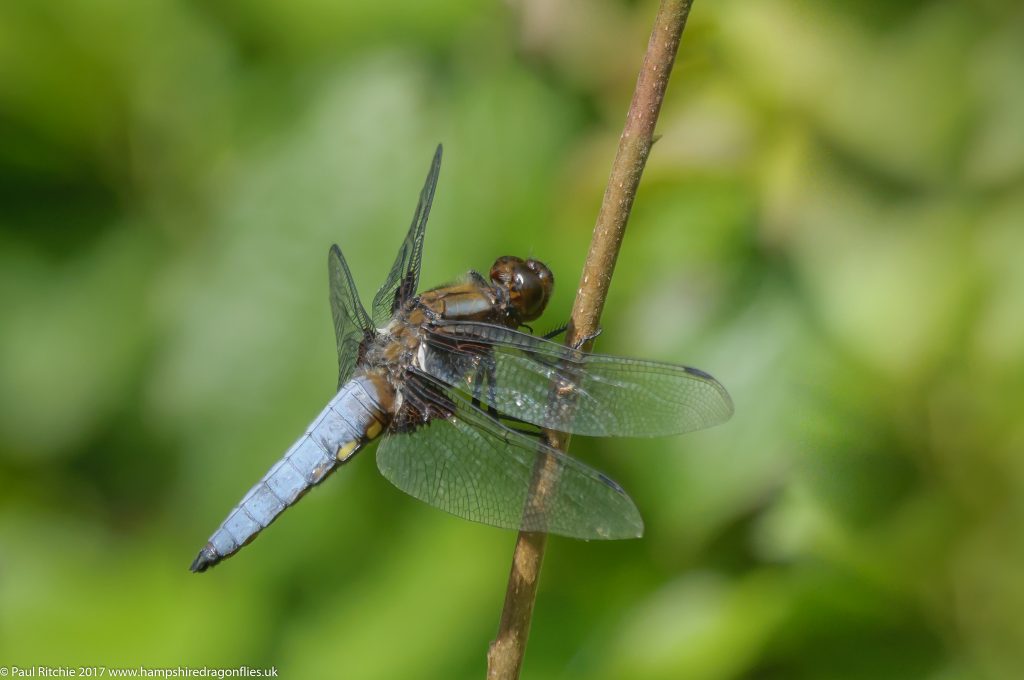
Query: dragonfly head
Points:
[529, 284]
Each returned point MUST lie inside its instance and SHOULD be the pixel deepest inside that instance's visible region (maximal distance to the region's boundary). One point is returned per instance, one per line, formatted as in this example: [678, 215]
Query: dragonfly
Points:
[459, 396]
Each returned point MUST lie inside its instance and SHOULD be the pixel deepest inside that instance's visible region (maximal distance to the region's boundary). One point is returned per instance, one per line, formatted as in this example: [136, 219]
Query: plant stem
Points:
[505, 656]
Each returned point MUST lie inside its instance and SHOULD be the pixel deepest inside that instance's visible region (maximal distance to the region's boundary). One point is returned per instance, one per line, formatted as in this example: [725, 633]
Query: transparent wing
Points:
[593, 394]
[351, 323]
[472, 466]
[404, 276]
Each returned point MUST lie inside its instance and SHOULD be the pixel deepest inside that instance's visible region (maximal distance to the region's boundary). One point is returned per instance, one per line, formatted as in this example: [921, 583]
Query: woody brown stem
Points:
[505, 656]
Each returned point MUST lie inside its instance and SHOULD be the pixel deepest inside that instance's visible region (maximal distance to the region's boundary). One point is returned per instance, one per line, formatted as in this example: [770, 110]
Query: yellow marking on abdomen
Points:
[374, 429]
[345, 451]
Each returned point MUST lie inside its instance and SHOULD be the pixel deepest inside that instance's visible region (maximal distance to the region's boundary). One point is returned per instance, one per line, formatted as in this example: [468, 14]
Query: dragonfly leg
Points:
[485, 372]
[492, 397]
[511, 421]
[478, 379]
[431, 315]
[552, 334]
[587, 338]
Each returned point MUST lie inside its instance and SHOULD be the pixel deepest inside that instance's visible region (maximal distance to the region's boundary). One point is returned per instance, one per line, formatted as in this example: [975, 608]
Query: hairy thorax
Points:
[517, 292]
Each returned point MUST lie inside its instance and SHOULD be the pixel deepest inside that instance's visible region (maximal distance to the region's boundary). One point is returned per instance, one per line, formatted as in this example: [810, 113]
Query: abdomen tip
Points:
[206, 558]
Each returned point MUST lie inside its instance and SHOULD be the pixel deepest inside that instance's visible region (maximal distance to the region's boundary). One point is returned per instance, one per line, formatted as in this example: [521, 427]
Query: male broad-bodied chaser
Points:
[459, 395]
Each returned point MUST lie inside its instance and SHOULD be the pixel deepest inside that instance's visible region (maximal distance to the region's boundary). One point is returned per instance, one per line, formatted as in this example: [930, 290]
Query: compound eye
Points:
[529, 284]
[503, 270]
[535, 284]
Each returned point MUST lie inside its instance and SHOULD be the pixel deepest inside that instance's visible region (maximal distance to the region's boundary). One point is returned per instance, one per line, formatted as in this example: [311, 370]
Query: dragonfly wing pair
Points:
[471, 465]
[352, 325]
[480, 462]
[560, 388]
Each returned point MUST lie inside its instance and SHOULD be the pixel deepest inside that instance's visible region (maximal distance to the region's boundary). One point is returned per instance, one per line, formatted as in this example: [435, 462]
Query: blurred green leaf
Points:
[830, 224]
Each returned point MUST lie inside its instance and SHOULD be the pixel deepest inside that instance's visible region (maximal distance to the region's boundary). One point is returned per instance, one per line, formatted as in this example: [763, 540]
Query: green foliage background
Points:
[832, 224]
